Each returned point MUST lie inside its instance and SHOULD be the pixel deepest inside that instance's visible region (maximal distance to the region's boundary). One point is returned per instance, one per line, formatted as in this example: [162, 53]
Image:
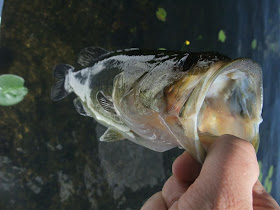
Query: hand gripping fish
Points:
[165, 99]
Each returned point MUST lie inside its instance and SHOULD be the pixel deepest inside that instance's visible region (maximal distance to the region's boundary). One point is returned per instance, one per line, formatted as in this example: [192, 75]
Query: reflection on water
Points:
[50, 157]
[1, 5]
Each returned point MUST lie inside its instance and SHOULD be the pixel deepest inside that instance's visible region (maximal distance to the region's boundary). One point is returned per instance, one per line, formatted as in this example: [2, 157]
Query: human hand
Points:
[228, 179]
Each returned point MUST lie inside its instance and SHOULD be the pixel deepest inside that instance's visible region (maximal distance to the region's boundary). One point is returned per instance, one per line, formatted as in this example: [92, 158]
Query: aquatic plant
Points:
[12, 90]
[200, 37]
[254, 44]
[261, 174]
[267, 182]
[161, 14]
[222, 36]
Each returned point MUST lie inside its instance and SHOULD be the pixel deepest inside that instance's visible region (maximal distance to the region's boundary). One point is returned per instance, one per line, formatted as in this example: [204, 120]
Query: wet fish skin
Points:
[151, 97]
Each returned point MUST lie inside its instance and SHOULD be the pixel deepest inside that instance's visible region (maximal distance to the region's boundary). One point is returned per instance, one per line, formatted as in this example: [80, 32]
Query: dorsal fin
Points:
[80, 107]
[111, 135]
[89, 54]
[105, 102]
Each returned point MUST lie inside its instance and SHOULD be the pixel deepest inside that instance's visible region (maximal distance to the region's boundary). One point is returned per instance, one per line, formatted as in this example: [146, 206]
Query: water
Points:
[1, 5]
[50, 157]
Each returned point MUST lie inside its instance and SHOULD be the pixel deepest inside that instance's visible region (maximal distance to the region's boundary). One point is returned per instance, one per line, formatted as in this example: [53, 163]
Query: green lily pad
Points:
[222, 36]
[161, 14]
[12, 90]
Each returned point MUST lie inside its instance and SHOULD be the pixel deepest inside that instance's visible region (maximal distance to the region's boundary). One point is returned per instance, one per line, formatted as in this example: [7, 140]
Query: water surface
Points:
[50, 157]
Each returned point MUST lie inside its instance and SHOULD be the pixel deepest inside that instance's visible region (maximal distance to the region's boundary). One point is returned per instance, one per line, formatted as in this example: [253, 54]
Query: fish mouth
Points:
[228, 100]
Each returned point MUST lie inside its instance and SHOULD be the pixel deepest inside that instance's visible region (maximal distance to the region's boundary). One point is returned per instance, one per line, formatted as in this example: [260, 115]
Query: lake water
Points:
[50, 157]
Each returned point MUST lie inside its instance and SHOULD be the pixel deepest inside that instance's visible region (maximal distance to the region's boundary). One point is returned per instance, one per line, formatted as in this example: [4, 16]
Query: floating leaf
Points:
[132, 30]
[261, 174]
[268, 184]
[269, 187]
[161, 48]
[12, 90]
[222, 36]
[266, 181]
[270, 172]
[161, 14]
[200, 37]
[260, 165]
[254, 44]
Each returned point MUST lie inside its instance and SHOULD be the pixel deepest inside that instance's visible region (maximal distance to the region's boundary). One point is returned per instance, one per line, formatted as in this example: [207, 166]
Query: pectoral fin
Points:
[80, 107]
[111, 135]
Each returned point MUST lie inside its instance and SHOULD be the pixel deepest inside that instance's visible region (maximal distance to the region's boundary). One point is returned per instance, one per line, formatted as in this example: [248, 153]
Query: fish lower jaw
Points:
[231, 111]
[231, 104]
[210, 129]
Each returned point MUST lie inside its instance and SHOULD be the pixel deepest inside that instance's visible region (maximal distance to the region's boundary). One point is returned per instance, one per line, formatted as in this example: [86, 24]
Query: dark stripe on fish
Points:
[192, 59]
[81, 78]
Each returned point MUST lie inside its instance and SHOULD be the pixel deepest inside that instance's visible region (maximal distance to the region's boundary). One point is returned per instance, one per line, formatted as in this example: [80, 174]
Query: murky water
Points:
[50, 157]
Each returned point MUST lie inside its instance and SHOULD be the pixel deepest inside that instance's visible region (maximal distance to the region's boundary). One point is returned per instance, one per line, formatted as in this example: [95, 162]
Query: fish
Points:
[164, 99]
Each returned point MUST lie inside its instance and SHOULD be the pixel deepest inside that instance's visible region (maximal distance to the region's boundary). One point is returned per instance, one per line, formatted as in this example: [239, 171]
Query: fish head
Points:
[226, 99]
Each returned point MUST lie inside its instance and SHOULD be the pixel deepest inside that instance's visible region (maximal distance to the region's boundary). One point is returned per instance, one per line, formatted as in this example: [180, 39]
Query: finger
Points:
[174, 206]
[155, 202]
[185, 168]
[227, 176]
[185, 171]
[173, 189]
[262, 199]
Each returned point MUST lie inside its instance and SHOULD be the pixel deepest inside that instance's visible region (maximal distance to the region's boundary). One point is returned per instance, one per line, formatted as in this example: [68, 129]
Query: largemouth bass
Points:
[165, 99]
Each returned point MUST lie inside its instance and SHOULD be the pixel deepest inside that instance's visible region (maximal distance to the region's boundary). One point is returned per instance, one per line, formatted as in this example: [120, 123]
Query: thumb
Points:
[227, 177]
